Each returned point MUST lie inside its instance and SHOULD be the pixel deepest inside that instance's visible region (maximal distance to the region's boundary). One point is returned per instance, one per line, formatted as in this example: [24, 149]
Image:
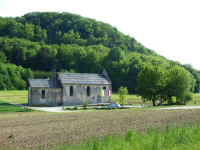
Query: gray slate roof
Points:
[44, 83]
[82, 78]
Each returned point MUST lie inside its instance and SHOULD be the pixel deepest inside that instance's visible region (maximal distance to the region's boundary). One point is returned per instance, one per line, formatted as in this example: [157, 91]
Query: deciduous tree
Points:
[151, 81]
[122, 92]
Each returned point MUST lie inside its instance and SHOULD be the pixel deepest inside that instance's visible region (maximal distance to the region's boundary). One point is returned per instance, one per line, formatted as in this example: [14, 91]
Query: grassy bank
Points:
[6, 108]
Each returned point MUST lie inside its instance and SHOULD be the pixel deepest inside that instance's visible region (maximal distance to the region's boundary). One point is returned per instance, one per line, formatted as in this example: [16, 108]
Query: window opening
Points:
[71, 90]
[88, 91]
[104, 87]
[43, 93]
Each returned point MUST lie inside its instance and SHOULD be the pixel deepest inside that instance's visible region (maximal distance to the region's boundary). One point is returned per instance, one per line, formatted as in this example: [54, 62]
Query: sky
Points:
[169, 27]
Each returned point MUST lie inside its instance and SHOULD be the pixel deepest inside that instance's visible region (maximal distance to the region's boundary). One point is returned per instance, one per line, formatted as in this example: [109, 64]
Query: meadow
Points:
[21, 97]
[137, 100]
[17, 97]
[7, 107]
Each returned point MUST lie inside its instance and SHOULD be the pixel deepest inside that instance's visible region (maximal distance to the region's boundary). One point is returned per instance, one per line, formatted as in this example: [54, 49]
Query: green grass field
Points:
[21, 97]
[6, 107]
[133, 98]
[17, 97]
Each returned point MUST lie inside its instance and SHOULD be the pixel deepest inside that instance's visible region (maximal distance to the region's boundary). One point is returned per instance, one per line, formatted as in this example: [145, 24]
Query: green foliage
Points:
[151, 82]
[75, 107]
[65, 71]
[85, 105]
[2, 57]
[116, 54]
[179, 83]
[38, 40]
[13, 77]
[175, 81]
[122, 92]
[11, 136]
[41, 74]
[196, 75]
[188, 96]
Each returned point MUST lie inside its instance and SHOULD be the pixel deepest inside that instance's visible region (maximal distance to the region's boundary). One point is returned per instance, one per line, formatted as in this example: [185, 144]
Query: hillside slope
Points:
[38, 40]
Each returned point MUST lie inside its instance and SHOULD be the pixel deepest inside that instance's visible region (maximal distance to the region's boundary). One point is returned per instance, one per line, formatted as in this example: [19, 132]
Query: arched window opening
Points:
[71, 90]
[88, 91]
[104, 87]
[43, 93]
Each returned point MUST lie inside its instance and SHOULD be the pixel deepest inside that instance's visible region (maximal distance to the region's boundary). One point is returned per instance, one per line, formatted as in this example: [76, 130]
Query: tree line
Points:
[67, 28]
[38, 40]
[13, 77]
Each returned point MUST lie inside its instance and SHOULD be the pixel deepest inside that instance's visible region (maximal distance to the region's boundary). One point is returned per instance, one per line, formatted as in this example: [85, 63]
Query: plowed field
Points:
[35, 129]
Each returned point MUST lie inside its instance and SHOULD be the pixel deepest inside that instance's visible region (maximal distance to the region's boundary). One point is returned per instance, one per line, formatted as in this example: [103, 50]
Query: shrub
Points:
[11, 136]
[122, 92]
[85, 105]
[75, 107]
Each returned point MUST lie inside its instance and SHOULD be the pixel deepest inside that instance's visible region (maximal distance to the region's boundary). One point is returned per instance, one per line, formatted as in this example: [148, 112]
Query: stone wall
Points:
[36, 96]
[80, 95]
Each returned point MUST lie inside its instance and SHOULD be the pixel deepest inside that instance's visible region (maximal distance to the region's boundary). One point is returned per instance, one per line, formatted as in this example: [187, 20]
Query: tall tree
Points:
[18, 53]
[2, 57]
[151, 81]
[43, 59]
[178, 82]
[116, 54]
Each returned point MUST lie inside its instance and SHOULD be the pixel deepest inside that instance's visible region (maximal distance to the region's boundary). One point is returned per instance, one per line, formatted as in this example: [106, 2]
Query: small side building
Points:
[42, 91]
[71, 89]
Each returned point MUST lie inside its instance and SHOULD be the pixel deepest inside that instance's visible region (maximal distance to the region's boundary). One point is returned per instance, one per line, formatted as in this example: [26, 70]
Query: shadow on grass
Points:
[172, 104]
[6, 108]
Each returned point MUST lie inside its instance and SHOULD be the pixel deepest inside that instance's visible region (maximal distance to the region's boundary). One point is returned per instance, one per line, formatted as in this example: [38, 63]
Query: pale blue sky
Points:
[169, 27]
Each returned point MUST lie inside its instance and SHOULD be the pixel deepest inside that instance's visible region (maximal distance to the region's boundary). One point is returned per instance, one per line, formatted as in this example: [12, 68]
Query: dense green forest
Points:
[38, 40]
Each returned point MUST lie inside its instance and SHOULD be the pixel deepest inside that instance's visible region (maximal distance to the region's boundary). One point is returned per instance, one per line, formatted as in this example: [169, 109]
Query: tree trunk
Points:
[169, 99]
[153, 101]
[176, 100]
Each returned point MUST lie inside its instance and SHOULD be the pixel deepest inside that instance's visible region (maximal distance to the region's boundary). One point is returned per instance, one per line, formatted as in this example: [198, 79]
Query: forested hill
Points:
[38, 40]
[66, 28]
